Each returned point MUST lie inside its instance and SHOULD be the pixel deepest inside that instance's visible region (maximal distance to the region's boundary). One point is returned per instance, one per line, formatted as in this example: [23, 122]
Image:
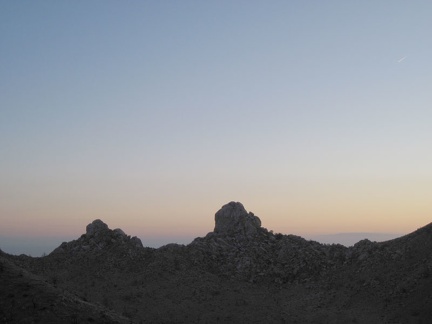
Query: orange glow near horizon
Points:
[326, 215]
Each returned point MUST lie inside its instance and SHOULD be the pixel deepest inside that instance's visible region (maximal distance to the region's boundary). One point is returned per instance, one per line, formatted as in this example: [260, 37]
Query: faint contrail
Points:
[401, 59]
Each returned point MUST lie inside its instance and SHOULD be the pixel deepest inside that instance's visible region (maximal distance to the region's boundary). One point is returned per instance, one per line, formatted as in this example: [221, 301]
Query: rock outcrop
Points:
[233, 218]
[96, 227]
[98, 237]
[240, 248]
[238, 273]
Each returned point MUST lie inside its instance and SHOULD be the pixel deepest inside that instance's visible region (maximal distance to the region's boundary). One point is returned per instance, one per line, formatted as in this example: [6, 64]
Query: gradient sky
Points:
[151, 115]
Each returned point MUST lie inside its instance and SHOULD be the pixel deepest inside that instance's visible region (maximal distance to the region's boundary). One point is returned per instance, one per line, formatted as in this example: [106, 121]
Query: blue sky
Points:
[151, 115]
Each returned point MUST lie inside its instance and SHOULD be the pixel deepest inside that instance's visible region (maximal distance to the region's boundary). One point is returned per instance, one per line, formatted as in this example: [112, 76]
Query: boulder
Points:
[119, 232]
[96, 227]
[233, 218]
[136, 242]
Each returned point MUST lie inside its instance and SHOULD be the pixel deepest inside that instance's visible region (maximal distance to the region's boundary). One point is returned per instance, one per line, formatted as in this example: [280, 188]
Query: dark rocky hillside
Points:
[239, 273]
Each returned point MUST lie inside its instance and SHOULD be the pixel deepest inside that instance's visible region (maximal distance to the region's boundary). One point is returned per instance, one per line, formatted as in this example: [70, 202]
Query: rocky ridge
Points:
[239, 247]
[286, 278]
[99, 237]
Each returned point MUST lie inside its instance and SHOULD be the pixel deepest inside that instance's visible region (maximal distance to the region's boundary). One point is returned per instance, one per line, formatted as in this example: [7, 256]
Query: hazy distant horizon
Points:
[37, 246]
[349, 239]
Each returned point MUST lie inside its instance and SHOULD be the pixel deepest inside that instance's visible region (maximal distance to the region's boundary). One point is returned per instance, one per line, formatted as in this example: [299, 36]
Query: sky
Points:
[151, 115]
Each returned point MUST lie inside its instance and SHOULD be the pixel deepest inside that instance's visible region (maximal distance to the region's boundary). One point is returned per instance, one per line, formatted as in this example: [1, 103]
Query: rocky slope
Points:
[239, 273]
[27, 298]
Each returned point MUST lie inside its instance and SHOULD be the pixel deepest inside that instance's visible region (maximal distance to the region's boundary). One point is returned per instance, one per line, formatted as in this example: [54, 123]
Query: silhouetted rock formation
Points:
[240, 248]
[98, 237]
[233, 218]
[97, 227]
[240, 272]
